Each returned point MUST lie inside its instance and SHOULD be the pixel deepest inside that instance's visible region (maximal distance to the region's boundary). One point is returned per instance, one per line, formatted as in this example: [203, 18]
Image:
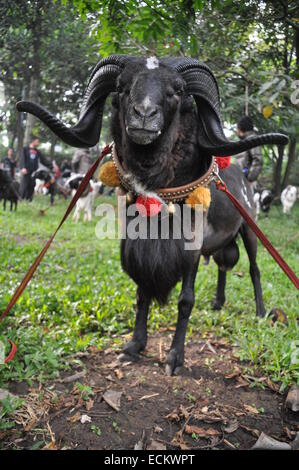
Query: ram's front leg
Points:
[175, 358]
[138, 343]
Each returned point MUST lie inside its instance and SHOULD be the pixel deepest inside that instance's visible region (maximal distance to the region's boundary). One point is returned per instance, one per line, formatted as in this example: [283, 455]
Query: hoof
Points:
[123, 357]
[131, 351]
[174, 363]
[217, 304]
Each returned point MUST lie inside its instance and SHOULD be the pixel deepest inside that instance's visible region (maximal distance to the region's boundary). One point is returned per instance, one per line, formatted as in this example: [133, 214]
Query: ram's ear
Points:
[86, 132]
[202, 84]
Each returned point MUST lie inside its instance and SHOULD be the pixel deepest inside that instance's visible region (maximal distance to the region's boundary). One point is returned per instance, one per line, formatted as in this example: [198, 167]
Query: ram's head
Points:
[149, 93]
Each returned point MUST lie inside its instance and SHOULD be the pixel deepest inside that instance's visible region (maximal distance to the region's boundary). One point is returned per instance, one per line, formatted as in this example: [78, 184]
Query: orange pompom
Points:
[108, 175]
[201, 196]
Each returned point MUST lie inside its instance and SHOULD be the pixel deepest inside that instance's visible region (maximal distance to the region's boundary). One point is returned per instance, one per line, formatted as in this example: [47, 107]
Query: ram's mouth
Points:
[142, 136]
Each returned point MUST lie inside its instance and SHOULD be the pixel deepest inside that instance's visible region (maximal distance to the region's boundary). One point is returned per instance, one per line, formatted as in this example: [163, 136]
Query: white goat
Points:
[288, 198]
[85, 203]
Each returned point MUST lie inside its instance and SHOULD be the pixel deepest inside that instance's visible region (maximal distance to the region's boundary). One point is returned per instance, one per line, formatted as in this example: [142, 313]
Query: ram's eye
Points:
[119, 89]
[170, 93]
[179, 92]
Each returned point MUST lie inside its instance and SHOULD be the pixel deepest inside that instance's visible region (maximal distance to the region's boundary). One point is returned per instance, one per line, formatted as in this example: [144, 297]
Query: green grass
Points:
[80, 297]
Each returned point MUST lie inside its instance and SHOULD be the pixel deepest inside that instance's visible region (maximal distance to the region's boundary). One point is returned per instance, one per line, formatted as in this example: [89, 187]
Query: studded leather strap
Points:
[176, 194]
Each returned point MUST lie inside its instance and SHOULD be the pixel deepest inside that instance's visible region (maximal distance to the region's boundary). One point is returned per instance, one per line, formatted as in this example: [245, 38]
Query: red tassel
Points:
[148, 206]
[223, 162]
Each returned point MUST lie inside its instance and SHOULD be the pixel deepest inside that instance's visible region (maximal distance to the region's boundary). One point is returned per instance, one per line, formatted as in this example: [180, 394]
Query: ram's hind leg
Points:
[175, 358]
[138, 343]
[226, 259]
[250, 243]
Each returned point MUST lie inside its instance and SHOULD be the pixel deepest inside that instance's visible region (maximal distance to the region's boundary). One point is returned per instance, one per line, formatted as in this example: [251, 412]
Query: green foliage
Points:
[96, 430]
[79, 297]
[7, 408]
[86, 391]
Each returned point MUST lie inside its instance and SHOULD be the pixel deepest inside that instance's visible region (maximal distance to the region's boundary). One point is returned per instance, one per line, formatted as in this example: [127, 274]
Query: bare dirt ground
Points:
[121, 406]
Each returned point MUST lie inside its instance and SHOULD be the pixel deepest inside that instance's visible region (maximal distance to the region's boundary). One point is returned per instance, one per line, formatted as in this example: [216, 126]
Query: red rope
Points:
[273, 252]
[19, 290]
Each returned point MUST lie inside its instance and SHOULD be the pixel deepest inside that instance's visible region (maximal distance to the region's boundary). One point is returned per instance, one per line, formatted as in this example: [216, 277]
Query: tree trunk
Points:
[277, 171]
[20, 136]
[53, 143]
[33, 96]
[35, 78]
[291, 160]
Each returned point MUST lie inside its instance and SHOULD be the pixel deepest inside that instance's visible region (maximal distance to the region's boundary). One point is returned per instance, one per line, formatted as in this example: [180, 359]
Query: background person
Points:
[9, 163]
[250, 161]
[30, 161]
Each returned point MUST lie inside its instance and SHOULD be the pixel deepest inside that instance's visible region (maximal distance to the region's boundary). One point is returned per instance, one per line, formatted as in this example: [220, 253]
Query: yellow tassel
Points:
[201, 196]
[108, 175]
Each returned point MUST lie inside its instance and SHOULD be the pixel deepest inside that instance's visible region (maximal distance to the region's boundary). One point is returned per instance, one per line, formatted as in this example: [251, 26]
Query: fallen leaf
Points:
[289, 433]
[85, 419]
[146, 397]
[173, 416]
[110, 378]
[31, 424]
[50, 446]
[210, 347]
[231, 427]
[74, 418]
[201, 432]
[119, 373]
[184, 412]
[267, 442]
[236, 372]
[229, 444]
[242, 383]
[255, 379]
[158, 430]
[251, 409]
[272, 386]
[178, 441]
[252, 431]
[89, 404]
[112, 398]
[93, 350]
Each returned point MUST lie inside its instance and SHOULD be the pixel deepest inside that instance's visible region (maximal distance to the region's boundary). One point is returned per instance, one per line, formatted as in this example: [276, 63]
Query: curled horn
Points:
[86, 132]
[202, 84]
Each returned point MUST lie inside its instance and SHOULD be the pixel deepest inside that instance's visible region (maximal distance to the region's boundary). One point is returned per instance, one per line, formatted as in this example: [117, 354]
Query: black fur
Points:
[9, 190]
[171, 158]
[163, 139]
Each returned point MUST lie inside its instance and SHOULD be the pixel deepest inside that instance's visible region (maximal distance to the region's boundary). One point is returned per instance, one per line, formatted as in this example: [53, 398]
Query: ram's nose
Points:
[145, 111]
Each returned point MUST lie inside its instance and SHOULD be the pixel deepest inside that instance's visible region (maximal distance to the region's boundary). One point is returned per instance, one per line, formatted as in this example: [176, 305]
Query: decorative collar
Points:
[177, 194]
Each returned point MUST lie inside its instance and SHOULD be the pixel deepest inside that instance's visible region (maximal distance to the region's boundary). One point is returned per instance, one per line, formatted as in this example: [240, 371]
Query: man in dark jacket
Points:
[250, 161]
[9, 164]
[30, 160]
